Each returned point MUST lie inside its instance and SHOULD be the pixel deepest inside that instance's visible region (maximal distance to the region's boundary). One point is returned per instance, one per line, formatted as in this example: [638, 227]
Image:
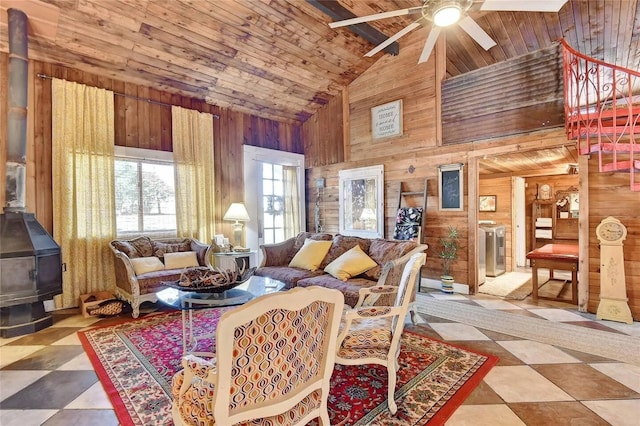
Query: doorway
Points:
[274, 195]
[514, 180]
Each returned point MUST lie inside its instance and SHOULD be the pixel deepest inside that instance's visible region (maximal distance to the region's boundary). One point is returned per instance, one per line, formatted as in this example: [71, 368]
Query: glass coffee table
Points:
[188, 301]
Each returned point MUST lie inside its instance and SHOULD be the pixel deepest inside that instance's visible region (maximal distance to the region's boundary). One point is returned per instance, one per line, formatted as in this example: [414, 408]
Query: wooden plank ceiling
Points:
[550, 161]
[278, 59]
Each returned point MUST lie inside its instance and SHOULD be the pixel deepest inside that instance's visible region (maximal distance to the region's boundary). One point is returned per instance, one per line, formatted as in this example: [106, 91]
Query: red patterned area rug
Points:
[136, 360]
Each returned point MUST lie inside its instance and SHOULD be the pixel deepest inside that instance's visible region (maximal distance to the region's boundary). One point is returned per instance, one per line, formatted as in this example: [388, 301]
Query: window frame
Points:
[149, 156]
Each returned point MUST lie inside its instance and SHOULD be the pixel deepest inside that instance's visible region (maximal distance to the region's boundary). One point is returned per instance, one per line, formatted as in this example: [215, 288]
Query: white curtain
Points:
[291, 209]
[83, 187]
[193, 158]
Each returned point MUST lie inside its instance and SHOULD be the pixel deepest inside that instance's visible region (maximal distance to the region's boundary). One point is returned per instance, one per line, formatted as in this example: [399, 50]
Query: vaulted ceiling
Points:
[278, 58]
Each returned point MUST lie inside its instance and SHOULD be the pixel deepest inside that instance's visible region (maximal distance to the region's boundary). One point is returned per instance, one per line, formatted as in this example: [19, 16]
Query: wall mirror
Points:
[567, 204]
[362, 202]
[566, 214]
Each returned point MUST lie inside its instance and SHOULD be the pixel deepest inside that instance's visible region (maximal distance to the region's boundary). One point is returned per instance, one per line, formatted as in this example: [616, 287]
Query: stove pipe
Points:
[17, 112]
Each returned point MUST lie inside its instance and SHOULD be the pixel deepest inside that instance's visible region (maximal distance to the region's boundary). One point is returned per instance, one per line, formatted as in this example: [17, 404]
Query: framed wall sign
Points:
[361, 206]
[487, 203]
[450, 186]
[386, 120]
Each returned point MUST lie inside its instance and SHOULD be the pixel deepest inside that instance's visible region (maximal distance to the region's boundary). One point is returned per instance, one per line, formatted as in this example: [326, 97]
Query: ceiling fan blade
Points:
[393, 38]
[523, 6]
[477, 33]
[361, 19]
[428, 45]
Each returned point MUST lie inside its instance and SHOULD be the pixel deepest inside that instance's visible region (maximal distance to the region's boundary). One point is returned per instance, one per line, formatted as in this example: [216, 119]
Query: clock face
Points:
[610, 231]
[545, 191]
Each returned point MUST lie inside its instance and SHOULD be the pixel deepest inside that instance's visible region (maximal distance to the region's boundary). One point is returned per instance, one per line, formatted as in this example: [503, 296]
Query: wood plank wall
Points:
[515, 96]
[409, 158]
[500, 187]
[140, 124]
[416, 155]
[325, 131]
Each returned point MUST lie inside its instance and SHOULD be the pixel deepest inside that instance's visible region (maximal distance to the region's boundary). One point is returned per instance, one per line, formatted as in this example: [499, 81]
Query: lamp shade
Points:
[237, 212]
[368, 214]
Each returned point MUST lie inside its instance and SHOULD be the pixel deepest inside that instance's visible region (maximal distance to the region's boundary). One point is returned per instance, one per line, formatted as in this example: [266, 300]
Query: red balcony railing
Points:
[601, 112]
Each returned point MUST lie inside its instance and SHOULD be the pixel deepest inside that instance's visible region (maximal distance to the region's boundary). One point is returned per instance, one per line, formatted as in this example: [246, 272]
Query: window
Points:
[145, 193]
[272, 203]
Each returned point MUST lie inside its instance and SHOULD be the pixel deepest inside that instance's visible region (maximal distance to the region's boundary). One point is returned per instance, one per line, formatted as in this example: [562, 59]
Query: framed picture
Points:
[487, 203]
[450, 187]
[361, 206]
[386, 120]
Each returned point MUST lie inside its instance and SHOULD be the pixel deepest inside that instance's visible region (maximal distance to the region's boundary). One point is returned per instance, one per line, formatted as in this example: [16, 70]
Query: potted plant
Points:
[450, 246]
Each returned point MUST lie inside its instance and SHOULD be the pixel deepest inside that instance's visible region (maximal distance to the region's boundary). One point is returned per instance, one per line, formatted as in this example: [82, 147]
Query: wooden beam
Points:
[337, 12]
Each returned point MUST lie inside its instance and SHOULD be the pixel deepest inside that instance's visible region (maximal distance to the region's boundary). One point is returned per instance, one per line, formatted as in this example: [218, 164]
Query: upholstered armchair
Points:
[371, 334]
[274, 359]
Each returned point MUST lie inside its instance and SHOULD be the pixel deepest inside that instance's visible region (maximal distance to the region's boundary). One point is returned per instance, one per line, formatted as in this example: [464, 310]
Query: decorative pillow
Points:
[353, 262]
[138, 247]
[179, 260]
[310, 255]
[142, 265]
[408, 223]
[126, 247]
[143, 245]
[341, 244]
[304, 236]
[161, 248]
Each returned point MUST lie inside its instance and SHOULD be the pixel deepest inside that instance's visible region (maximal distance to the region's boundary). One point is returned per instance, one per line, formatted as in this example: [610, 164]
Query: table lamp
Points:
[237, 212]
[368, 216]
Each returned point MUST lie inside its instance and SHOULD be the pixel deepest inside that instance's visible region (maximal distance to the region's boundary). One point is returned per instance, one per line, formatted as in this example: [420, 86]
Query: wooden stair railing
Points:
[601, 113]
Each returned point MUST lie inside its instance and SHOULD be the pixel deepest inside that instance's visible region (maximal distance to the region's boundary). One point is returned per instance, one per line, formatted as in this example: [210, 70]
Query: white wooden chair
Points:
[371, 334]
[274, 359]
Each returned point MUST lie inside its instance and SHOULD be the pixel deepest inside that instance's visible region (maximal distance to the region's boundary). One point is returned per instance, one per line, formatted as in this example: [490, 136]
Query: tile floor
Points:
[46, 378]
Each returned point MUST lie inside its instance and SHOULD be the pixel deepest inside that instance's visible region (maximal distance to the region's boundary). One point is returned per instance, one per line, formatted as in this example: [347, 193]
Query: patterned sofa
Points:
[142, 264]
[389, 259]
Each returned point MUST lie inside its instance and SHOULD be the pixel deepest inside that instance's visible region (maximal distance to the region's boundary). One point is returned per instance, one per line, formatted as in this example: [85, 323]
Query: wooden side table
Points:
[235, 260]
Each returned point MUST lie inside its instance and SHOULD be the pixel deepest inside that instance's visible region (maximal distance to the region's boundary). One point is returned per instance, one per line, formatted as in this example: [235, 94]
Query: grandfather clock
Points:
[613, 291]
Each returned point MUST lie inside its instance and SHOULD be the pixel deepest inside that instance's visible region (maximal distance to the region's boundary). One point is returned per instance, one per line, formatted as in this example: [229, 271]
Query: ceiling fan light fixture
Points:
[447, 13]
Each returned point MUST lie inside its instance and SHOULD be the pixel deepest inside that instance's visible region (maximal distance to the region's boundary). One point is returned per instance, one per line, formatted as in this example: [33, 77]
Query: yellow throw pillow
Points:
[180, 259]
[310, 254]
[142, 265]
[351, 263]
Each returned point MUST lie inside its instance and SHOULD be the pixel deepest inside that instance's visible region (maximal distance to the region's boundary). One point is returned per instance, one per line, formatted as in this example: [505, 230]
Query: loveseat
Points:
[142, 264]
[389, 258]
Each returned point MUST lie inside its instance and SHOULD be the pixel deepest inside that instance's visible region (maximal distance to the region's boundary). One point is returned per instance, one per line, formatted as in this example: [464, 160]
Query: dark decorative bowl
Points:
[208, 282]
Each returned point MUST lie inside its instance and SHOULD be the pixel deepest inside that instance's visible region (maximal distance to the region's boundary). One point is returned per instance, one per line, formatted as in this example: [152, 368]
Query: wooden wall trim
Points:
[4, 88]
[441, 74]
[346, 125]
[472, 224]
[583, 234]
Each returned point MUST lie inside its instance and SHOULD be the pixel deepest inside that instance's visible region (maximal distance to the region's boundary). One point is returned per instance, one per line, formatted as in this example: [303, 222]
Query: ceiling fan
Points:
[444, 13]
